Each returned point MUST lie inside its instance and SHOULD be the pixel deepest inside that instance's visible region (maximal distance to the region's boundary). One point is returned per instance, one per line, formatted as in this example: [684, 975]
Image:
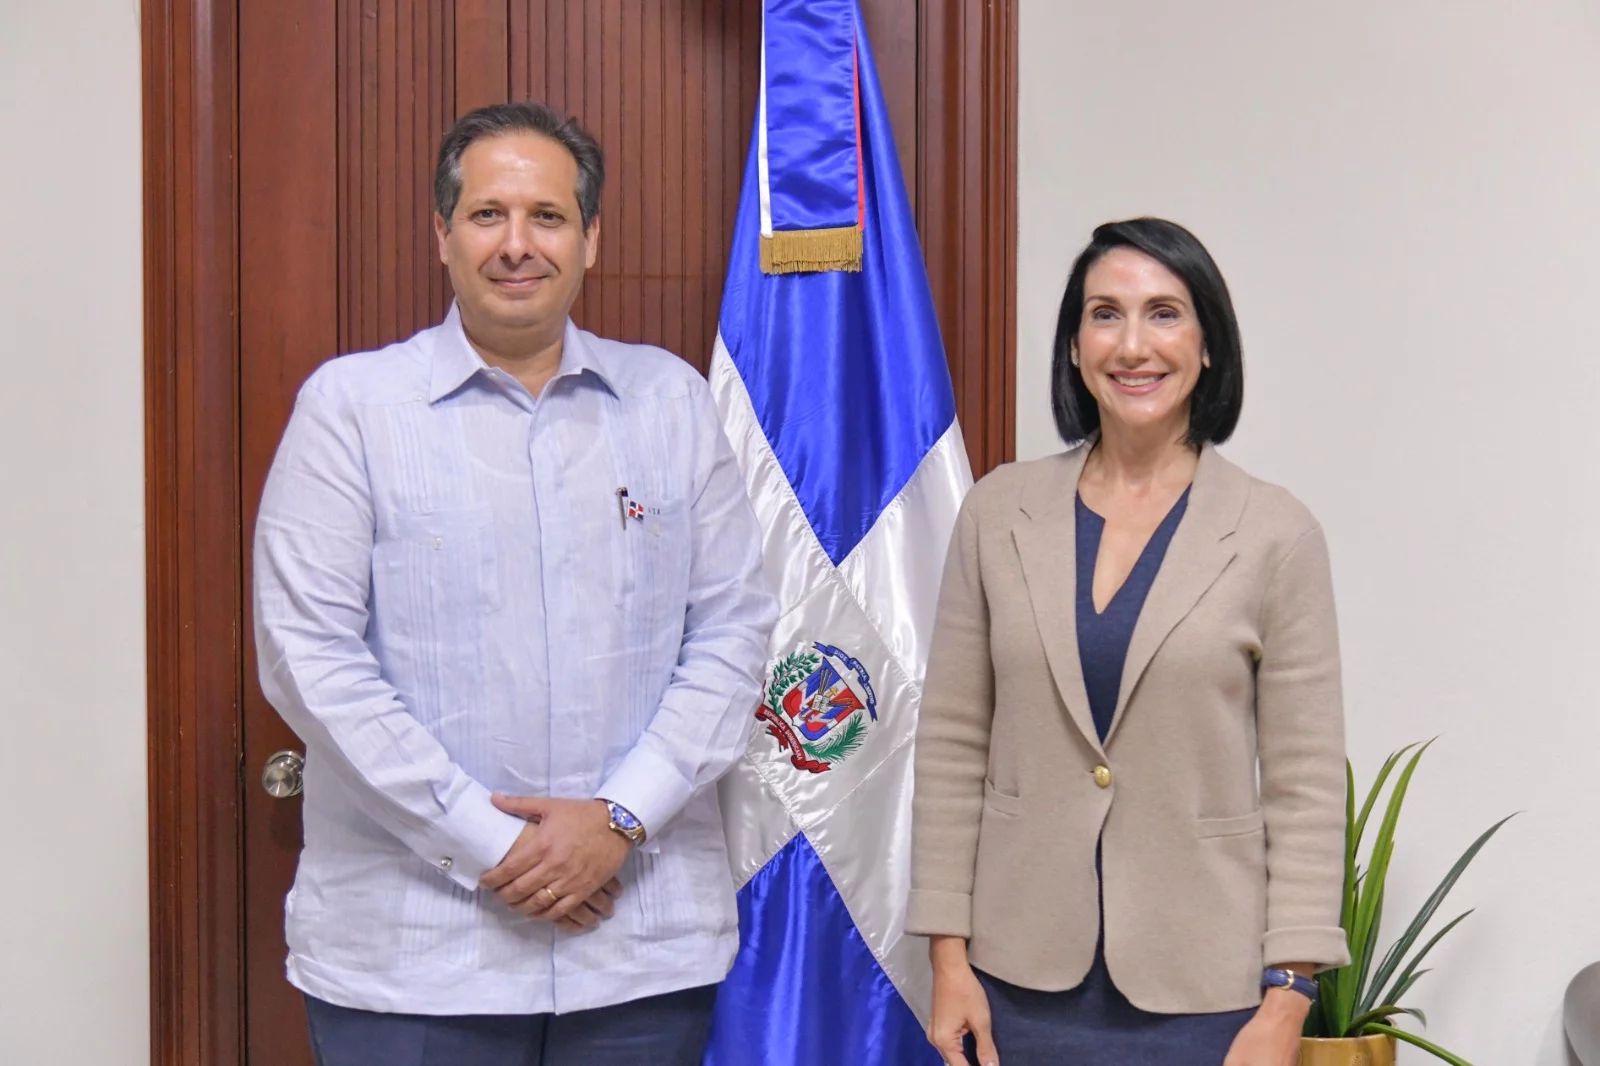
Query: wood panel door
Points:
[289, 157]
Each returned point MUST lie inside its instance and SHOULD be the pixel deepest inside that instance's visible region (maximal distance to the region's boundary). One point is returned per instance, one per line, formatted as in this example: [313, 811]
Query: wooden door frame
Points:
[966, 173]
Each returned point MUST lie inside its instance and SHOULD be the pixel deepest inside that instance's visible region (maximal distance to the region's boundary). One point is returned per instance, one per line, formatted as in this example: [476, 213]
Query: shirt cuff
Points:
[931, 913]
[472, 837]
[652, 789]
[1325, 946]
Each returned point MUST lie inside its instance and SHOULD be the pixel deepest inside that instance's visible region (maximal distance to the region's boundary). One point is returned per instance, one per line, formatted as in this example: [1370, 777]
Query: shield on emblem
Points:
[813, 697]
[821, 701]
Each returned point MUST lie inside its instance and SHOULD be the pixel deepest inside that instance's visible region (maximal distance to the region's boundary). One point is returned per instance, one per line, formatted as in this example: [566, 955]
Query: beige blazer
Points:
[1234, 665]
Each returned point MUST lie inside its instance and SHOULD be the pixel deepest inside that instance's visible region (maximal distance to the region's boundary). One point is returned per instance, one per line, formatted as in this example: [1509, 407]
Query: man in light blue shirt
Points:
[508, 591]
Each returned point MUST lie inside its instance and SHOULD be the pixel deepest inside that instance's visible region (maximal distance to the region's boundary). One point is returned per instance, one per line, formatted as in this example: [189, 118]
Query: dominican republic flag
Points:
[832, 386]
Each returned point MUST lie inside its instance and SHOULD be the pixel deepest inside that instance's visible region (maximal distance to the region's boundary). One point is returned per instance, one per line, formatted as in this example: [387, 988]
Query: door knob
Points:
[283, 776]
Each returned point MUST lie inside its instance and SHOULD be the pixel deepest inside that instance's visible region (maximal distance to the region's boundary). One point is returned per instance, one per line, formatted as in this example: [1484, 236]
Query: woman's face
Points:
[1139, 344]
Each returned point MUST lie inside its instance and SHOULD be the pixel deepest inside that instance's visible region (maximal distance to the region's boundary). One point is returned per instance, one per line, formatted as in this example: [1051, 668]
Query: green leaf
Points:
[1352, 875]
[1349, 804]
[1369, 901]
[1417, 1041]
[1405, 985]
[1360, 824]
[1336, 995]
[845, 742]
[1328, 985]
[1383, 1014]
[1397, 953]
[789, 669]
[1403, 982]
[1368, 950]
[1316, 1023]
[1408, 977]
[1377, 873]
[1429, 908]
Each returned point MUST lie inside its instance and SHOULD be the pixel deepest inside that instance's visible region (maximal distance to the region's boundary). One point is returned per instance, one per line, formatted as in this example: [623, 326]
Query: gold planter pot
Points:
[1347, 1051]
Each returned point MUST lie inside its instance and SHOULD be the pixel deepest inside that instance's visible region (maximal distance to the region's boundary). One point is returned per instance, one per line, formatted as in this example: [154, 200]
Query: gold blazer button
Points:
[1102, 776]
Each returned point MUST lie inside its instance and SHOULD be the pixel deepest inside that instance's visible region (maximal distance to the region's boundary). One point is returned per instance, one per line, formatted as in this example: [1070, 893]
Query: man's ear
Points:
[591, 240]
[441, 230]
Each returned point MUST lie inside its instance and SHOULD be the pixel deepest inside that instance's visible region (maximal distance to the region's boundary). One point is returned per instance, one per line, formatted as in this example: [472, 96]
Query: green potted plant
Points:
[1354, 1021]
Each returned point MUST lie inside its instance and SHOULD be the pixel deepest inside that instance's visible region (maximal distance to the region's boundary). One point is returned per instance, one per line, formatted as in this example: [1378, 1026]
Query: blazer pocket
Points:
[1237, 826]
[1001, 802]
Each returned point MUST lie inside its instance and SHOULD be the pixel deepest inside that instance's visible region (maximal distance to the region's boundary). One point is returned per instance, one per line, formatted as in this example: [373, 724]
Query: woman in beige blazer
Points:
[1129, 813]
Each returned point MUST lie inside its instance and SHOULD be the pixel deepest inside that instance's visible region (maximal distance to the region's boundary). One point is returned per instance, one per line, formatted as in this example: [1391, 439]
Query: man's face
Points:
[515, 246]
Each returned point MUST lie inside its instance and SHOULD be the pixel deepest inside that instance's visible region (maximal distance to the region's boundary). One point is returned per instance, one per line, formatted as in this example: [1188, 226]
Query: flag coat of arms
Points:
[832, 385]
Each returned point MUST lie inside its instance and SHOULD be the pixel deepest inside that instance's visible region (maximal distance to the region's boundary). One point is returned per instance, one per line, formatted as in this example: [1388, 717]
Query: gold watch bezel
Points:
[633, 836]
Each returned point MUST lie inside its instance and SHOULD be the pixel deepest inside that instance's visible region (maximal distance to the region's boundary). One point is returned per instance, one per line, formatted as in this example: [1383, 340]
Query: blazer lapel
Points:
[1197, 556]
[1046, 538]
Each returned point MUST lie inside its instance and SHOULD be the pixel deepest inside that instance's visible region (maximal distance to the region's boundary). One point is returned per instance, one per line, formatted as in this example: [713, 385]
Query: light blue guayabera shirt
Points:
[454, 596]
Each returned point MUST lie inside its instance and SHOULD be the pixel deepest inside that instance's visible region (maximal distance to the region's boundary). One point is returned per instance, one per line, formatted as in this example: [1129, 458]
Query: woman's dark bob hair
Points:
[1218, 395]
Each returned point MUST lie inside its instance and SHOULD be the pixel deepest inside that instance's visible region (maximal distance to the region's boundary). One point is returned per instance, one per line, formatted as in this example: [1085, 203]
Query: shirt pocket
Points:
[435, 575]
[655, 563]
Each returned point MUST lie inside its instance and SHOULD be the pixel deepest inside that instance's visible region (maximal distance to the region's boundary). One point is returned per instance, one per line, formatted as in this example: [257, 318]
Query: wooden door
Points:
[340, 113]
[289, 148]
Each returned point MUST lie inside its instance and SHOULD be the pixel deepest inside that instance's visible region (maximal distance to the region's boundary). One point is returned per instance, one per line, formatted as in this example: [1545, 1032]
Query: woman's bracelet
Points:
[1275, 977]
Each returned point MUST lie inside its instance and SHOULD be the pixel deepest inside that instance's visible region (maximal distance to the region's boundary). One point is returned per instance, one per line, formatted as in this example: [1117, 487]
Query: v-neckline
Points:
[1099, 613]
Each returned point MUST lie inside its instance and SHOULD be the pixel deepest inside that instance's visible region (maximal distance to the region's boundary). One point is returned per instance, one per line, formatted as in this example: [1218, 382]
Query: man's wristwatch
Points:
[623, 822]
[1280, 978]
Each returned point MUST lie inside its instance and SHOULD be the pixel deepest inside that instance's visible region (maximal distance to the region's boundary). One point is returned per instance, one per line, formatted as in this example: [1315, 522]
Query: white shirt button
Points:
[438, 543]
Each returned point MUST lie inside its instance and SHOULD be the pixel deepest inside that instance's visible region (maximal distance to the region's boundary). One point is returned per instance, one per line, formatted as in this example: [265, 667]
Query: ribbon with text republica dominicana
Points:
[832, 385]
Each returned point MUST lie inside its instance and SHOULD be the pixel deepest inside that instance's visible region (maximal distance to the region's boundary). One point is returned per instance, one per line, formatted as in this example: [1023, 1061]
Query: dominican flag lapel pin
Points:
[629, 510]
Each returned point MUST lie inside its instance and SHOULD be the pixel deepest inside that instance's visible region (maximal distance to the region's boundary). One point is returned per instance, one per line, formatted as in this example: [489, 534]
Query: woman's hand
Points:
[959, 1005]
[1272, 1037]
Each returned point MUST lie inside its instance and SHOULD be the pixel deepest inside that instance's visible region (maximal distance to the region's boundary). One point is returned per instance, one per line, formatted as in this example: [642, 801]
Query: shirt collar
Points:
[455, 360]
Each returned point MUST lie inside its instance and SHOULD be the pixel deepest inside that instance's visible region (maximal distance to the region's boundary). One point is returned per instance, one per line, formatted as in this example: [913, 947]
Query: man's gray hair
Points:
[529, 116]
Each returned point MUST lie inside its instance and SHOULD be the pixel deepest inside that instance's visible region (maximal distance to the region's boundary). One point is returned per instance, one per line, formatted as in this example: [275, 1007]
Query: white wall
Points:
[1405, 199]
[74, 989]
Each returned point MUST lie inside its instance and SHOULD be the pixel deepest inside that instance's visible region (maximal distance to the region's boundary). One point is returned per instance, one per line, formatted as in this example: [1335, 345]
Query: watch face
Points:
[624, 819]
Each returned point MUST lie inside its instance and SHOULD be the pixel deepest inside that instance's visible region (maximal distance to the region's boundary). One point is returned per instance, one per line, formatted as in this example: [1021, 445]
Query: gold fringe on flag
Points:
[798, 251]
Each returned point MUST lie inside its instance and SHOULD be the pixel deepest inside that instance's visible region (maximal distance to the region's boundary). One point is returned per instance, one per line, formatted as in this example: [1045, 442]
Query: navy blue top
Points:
[1103, 638]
